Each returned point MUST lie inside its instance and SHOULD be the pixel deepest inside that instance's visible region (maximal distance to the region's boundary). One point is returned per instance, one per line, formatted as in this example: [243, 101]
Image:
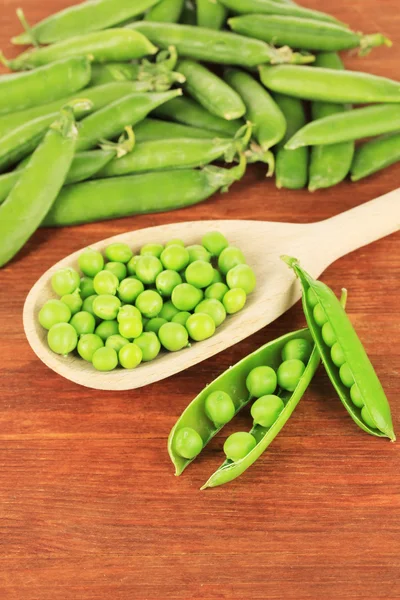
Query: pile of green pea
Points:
[265, 385]
[125, 307]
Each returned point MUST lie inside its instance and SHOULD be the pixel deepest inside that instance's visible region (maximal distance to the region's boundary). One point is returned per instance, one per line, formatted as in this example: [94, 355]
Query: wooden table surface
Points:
[89, 506]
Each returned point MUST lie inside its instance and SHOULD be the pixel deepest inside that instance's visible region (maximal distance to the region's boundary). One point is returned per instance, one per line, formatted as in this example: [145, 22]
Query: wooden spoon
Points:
[317, 245]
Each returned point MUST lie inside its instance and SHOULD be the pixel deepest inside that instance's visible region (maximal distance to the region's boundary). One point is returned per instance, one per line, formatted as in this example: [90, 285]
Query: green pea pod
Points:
[355, 380]
[113, 45]
[139, 194]
[305, 34]
[329, 165]
[26, 90]
[166, 11]
[325, 85]
[200, 43]
[210, 14]
[271, 7]
[155, 129]
[92, 15]
[210, 91]
[375, 155]
[188, 112]
[30, 200]
[291, 167]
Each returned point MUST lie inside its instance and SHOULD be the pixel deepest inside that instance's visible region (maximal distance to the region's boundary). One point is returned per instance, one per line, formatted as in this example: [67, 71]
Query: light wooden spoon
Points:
[317, 245]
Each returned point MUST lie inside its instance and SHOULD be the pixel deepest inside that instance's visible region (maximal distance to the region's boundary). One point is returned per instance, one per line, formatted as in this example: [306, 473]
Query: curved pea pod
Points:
[139, 194]
[329, 165]
[356, 369]
[166, 11]
[113, 45]
[272, 7]
[210, 14]
[375, 155]
[200, 43]
[26, 90]
[155, 129]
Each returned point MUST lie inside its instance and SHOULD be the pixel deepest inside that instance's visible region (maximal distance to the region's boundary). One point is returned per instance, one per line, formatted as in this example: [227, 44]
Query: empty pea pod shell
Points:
[360, 369]
[375, 155]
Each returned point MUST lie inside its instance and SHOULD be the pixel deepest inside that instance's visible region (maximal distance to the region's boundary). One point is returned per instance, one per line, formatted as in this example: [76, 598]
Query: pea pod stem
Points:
[28, 29]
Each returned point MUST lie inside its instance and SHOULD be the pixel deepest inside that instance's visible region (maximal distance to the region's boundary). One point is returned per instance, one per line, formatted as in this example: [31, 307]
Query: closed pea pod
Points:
[375, 155]
[155, 129]
[166, 11]
[272, 7]
[210, 14]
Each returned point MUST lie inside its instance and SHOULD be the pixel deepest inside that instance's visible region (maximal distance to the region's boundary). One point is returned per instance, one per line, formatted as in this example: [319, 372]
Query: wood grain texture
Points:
[89, 507]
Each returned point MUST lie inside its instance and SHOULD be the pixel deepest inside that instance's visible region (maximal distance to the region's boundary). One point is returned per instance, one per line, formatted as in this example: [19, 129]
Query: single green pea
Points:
[319, 315]
[181, 317]
[65, 281]
[234, 300]
[238, 445]
[86, 287]
[355, 396]
[175, 257]
[118, 252]
[107, 329]
[216, 291]
[105, 359]
[214, 242]
[73, 301]
[105, 282]
[299, 348]
[200, 327]
[129, 289]
[312, 299]
[367, 417]
[130, 328]
[175, 242]
[116, 342]
[87, 306]
[53, 312]
[147, 269]
[130, 356]
[152, 250]
[188, 443]
[214, 308]
[131, 266]
[197, 252]
[229, 258]
[119, 269]
[261, 381]
[88, 344]
[83, 322]
[91, 262]
[149, 303]
[173, 336]
[328, 335]
[186, 297]
[217, 277]
[266, 410]
[168, 311]
[219, 408]
[166, 281]
[289, 374]
[149, 344]
[62, 338]
[106, 307]
[199, 273]
[127, 312]
[337, 355]
[155, 324]
[241, 276]
[346, 376]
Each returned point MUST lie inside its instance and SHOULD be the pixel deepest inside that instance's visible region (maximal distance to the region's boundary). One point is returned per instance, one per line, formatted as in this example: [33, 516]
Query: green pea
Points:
[87, 306]
[86, 287]
[181, 318]
[216, 291]
[312, 299]
[149, 344]
[266, 410]
[152, 250]
[234, 300]
[168, 311]
[107, 329]
[105, 359]
[65, 281]
[199, 273]
[241, 276]
[217, 277]
[175, 257]
[105, 282]
[62, 338]
[175, 242]
[328, 335]
[355, 396]
[261, 381]
[186, 297]
[299, 348]
[106, 307]
[131, 266]
[346, 376]
[116, 342]
[147, 269]
[319, 315]
[219, 408]
[91, 262]
[173, 336]
[130, 328]
[367, 417]
[149, 303]
[230, 257]
[289, 374]
[166, 281]
[214, 308]
[130, 356]
[88, 344]
[128, 312]
[200, 327]
[118, 252]
[197, 252]
[129, 289]
[214, 242]
[188, 443]
[119, 269]
[238, 445]
[53, 312]
[83, 322]
[337, 355]
[155, 324]
[73, 301]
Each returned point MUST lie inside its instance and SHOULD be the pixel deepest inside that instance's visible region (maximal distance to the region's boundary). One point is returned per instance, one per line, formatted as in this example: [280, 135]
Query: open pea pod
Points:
[344, 357]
